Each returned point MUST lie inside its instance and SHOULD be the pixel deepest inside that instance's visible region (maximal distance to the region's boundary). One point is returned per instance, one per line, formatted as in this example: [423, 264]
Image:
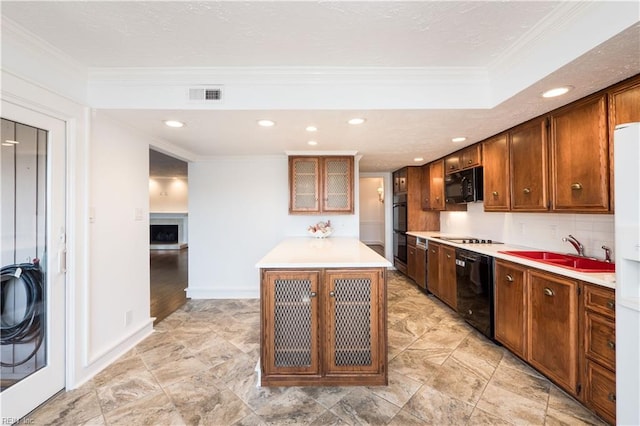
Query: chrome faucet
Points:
[575, 243]
[607, 254]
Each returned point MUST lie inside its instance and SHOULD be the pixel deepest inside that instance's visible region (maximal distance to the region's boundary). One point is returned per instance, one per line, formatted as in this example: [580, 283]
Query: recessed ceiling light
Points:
[312, 143]
[266, 123]
[558, 91]
[418, 159]
[312, 129]
[356, 121]
[458, 139]
[174, 123]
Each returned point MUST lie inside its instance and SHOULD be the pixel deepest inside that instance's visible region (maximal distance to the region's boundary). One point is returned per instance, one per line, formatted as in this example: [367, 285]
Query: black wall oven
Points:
[400, 227]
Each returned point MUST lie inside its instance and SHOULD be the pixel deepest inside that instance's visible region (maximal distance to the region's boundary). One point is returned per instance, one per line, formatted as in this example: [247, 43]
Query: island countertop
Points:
[334, 252]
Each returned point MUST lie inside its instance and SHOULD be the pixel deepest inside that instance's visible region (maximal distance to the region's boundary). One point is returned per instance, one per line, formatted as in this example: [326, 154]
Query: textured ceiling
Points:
[348, 39]
[303, 33]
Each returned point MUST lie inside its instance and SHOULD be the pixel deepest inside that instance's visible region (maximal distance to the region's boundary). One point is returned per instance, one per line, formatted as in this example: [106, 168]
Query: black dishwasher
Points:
[474, 279]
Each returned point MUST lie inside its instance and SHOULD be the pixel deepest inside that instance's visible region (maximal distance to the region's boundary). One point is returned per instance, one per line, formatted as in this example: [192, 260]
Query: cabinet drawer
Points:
[411, 240]
[600, 340]
[600, 299]
[601, 392]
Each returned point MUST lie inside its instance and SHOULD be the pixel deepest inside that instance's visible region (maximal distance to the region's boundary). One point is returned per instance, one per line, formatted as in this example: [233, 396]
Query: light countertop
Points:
[603, 279]
[332, 252]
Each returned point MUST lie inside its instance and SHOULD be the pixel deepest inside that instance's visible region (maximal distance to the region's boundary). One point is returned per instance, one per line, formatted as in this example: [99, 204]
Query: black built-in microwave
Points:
[464, 186]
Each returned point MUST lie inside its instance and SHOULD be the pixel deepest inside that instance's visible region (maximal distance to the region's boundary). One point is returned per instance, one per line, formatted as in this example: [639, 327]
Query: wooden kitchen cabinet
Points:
[624, 102]
[433, 186]
[624, 107]
[433, 268]
[496, 173]
[448, 285]
[463, 159]
[400, 181]
[552, 328]
[441, 273]
[599, 355]
[412, 259]
[510, 293]
[579, 145]
[320, 185]
[529, 167]
[323, 327]
[290, 303]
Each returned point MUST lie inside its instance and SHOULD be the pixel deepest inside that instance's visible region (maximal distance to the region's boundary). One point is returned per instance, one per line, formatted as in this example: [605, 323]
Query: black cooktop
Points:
[469, 240]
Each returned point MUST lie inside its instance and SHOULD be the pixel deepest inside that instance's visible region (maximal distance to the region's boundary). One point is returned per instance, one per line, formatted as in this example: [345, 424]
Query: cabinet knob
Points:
[332, 294]
[612, 345]
[576, 186]
[451, 167]
[611, 397]
[494, 193]
[312, 294]
[611, 304]
[527, 190]
[509, 278]
[548, 292]
[448, 256]
[470, 162]
[433, 251]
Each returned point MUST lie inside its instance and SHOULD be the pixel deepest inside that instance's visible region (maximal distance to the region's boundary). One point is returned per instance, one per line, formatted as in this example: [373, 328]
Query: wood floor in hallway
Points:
[169, 278]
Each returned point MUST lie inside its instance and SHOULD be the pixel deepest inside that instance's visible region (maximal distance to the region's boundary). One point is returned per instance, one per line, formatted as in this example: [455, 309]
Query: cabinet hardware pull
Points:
[611, 397]
[548, 291]
[451, 167]
[509, 278]
[470, 161]
[437, 198]
[576, 186]
[448, 256]
[332, 293]
[312, 294]
[433, 251]
[527, 191]
[611, 304]
[494, 193]
[612, 345]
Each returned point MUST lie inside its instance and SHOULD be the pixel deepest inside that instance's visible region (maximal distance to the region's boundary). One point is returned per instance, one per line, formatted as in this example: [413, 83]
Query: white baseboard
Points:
[208, 293]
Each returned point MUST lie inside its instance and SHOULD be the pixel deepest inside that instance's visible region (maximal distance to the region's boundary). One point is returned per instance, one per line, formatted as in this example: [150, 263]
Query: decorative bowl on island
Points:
[320, 229]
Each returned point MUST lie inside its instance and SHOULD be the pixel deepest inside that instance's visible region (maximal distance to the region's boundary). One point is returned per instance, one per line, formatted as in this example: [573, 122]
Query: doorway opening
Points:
[372, 212]
[168, 234]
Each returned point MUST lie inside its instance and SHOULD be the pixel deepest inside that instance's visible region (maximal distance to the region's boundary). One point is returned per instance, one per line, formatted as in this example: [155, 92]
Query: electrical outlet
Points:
[128, 318]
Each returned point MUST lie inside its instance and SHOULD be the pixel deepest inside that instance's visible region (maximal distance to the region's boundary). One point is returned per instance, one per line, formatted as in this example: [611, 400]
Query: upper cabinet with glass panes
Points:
[320, 184]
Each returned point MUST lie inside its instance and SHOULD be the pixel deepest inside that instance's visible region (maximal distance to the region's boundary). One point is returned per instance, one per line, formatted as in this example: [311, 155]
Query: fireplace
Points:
[168, 231]
[163, 234]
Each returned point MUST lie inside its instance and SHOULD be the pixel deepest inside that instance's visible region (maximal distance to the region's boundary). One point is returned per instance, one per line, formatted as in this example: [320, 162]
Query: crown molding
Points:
[13, 31]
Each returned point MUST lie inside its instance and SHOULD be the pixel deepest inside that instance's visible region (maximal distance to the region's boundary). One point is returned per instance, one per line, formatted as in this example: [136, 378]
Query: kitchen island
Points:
[323, 316]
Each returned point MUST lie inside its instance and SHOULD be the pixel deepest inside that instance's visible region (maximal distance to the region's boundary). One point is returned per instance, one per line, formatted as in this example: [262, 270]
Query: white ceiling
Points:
[423, 46]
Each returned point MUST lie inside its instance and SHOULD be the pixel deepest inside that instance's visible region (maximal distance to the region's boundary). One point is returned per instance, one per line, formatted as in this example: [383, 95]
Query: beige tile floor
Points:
[198, 368]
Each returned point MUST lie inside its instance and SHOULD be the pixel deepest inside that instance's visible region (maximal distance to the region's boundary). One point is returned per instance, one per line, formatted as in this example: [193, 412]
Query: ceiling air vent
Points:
[205, 94]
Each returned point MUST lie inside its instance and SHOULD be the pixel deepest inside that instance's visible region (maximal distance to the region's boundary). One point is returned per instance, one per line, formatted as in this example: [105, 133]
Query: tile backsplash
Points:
[536, 230]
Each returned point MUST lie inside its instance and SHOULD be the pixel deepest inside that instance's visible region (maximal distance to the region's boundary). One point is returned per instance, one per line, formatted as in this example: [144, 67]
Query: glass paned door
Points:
[23, 298]
[32, 256]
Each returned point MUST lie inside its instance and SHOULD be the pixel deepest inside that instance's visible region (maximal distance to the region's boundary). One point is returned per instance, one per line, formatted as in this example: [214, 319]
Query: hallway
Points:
[169, 279]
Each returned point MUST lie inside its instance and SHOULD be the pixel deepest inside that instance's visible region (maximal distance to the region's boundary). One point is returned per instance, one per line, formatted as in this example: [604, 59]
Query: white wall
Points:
[119, 295]
[371, 211]
[168, 195]
[536, 230]
[238, 211]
